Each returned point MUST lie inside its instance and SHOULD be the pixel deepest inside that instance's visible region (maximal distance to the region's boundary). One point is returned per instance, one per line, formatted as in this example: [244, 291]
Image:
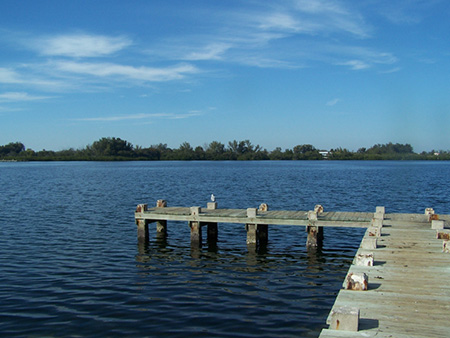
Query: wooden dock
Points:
[408, 290]
[397, 285]
[256, 221]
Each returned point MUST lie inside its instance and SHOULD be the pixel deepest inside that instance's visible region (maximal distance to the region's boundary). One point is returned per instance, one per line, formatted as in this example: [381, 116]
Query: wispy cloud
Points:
[9, 76]
[403, 12]
[148, 74]
[283, 34]
[28, 78]
[333, 102]
[80, 45]
[316, 17]
[191, 113]
[389, 71]
[20, 96]
[355, 64]
[116, 118]
[273, 35]
[213, 51]
[284, 22]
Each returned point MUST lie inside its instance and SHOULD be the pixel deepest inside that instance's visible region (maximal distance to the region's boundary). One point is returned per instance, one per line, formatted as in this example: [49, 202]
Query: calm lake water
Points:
[71, 265]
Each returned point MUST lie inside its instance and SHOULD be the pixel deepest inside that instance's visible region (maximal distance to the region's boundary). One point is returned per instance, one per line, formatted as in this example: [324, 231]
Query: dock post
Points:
[212, 233]
[196, 234]
[437, 224]
[212, 228]
[363, 259]
[250, 227]
[262, 230]
[315, 233]
[257, 234]
[161, 226]
[431, 215]
[142, 224]
[345, 318]
[196, 229]
[356, 282]
[251, 234]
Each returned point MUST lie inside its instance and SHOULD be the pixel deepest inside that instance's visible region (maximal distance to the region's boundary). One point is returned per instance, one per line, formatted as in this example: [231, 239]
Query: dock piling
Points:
[437, 224]
[196, 234]
[142, 224]
[345, 318]
[364, 259]
[356, 282]
[314, 233]
[161, 226]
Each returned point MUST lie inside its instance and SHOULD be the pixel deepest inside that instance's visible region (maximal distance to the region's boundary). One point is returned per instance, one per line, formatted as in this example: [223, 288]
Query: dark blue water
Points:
[70, 264]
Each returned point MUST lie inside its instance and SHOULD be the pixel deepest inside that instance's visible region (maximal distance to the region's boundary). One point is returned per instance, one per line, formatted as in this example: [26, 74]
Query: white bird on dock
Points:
[213, 198]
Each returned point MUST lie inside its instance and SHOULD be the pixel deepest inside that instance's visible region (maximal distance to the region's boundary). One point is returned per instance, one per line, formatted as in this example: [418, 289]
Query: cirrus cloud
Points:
[80, 45]
[142, 73]
[20, 96]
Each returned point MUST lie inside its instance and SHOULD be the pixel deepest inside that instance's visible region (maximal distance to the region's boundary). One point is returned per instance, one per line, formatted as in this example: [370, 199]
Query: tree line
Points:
[116, 149]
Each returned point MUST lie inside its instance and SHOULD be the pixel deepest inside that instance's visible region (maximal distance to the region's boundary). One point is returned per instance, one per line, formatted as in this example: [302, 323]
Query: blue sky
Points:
[331, 73]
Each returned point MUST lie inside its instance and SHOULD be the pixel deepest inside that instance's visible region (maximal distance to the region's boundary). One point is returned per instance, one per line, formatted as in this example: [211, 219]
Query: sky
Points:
[280, 73]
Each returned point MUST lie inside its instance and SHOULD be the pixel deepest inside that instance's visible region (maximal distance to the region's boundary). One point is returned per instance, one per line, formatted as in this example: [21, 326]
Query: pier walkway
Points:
[397, 285]
[408, 290]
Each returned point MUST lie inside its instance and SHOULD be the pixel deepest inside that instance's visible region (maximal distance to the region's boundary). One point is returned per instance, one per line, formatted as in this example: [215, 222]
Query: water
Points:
[71, 265]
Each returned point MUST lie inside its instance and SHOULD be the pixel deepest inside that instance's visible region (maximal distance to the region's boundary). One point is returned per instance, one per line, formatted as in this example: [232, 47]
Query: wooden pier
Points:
[407, 274]
[397, 285]
[256, 220]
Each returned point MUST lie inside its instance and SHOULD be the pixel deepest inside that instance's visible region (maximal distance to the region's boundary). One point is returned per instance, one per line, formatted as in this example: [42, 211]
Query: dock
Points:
[407, 274]
[397, 285]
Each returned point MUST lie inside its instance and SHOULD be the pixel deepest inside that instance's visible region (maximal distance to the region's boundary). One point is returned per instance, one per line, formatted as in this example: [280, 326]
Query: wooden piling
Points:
[345, 318]
[196, 228]
[212, 233]
[161, 225]
[196, 234]
[142, 224]
[314, 233]
[142, 230]
[251, 234]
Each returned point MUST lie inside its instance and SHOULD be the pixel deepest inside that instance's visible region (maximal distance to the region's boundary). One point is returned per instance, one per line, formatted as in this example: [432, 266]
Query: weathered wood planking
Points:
[409, 293]
[278, 217]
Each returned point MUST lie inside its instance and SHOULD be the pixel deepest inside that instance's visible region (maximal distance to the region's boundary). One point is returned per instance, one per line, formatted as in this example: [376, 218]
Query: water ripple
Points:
[71, 265]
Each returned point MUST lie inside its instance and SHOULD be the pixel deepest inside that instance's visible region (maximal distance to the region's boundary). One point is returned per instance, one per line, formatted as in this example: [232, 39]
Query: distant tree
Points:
[199, 153]
[245, 150]
[185, 152]
[391, 148]
[341, 154]
[306, 152]
[215, 151]
[361, 150]
[150, 154]
[108, 146]
[278, 154]
[13, 148]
